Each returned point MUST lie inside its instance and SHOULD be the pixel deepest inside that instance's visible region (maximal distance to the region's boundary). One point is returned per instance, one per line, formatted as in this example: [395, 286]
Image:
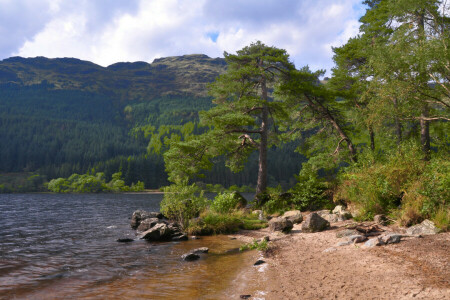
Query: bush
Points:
[227, 201]
[255, 245]
[182, 202]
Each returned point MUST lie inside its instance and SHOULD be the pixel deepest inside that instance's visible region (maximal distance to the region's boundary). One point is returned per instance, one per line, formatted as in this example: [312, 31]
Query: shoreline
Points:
[298, 268]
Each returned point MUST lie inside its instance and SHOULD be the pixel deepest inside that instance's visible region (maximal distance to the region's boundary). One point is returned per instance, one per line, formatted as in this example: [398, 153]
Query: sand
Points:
[298, 268]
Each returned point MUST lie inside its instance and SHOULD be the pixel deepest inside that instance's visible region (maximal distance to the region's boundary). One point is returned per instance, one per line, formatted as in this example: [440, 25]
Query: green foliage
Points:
[227, 201]
[182, 202]
[310, 191]
[401, 182]
[22, 182]
[211, 222]
[86, 183]
[262, 245]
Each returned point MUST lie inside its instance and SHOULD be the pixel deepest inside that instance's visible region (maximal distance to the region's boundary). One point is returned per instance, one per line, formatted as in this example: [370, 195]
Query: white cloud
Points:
[108, 31]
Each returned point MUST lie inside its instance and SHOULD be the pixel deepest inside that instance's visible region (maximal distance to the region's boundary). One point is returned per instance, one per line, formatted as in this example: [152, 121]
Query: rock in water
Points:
[190, 256]
[314, 223]
[281, 224]
[293, 215]
[427, 227]
[200, 250]
[159, 232]
[147, 224]
[124, 240]
[140, 215]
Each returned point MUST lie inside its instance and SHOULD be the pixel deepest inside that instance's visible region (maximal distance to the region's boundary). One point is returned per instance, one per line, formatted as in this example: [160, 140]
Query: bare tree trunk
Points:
[425, 133]
[261, 184]
[372, 138]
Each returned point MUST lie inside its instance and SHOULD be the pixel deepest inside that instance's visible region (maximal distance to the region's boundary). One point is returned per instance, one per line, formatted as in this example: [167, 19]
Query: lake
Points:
[55, 246]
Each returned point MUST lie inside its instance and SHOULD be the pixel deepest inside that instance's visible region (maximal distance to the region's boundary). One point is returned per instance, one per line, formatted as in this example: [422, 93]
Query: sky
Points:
[110, 31]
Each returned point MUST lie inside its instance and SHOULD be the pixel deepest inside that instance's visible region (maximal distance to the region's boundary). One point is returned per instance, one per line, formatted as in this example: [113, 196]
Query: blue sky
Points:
[109, 31]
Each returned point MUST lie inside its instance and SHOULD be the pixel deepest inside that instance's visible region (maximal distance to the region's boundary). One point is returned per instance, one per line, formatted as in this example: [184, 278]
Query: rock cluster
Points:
[337, 215]
[152, 226]
[194, 254]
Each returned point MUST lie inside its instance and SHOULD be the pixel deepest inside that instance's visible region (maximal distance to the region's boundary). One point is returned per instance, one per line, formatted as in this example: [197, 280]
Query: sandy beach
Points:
[297, 267]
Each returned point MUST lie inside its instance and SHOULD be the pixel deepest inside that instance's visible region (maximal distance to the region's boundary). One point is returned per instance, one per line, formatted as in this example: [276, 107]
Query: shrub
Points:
[255, 245]
[182, 202]
[226, 202]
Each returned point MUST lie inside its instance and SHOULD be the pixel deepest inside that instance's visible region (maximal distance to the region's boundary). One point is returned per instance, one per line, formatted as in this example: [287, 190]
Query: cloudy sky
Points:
[109, 31]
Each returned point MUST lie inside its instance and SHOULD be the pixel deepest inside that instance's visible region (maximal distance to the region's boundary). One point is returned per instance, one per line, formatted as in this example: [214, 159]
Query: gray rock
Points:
[427, 227]
[381, 219]
[179, 237]
[281, 224]
[294, 215]
[339, 209]
[159, 232]
[200, 250]
[140, 215]
[332, 218]
[345, 243]
[148, 223]
[329, 250]
[391, 238]
[373, 242]
[342, 213]
[314, 223]
[357, 238]
[190, 256]
[347, 232]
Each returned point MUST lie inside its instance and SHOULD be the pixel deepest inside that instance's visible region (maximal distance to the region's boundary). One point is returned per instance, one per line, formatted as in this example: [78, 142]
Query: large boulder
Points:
[293, 215]
[159, 232]
[427, 227]
[314, 223]
[281, 224]
[147, 224]
[140, 215]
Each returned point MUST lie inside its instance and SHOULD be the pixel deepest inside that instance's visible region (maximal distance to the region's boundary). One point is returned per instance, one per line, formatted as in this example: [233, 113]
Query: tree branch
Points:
[246, 137]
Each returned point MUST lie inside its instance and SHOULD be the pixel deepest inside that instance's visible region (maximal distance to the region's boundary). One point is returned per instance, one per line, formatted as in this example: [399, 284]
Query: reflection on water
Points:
[64, 246]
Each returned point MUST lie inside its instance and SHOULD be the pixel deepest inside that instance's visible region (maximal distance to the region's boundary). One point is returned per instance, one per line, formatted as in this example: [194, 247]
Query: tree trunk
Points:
[425, 133]
[261, 184]
[372, 138]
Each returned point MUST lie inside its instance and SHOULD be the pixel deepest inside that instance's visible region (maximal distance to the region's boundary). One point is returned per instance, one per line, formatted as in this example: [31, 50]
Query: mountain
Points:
[170, 76]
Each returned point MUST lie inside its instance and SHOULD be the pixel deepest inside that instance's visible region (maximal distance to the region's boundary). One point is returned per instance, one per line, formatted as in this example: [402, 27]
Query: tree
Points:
[244, 118]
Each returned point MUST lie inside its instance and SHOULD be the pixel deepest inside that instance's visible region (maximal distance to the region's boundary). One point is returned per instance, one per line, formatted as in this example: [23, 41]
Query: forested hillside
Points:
[65, 116]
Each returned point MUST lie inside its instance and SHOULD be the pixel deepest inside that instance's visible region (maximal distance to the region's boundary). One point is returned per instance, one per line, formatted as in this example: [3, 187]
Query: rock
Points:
[357, 238]
[373, 242]
[345, 243]
[392, 238]
[314, 223]
[294, 215]
[259, 262]
[159, 232]
[140, 215]
[339, 209]
[380, 219]
[194, 237]
[147, 224]
[332, 218]
[245, 296]
[200, 250]
[124, 240]
[181, 237]
[328, 250]
[427, 227]
[190, 256]
[347, 232]
[281, 224]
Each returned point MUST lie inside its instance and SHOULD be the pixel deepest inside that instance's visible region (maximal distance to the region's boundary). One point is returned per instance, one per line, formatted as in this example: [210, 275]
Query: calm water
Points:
[64, 246]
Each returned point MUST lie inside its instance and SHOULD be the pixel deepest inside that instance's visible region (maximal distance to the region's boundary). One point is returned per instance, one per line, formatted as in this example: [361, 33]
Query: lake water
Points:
[55, 246]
